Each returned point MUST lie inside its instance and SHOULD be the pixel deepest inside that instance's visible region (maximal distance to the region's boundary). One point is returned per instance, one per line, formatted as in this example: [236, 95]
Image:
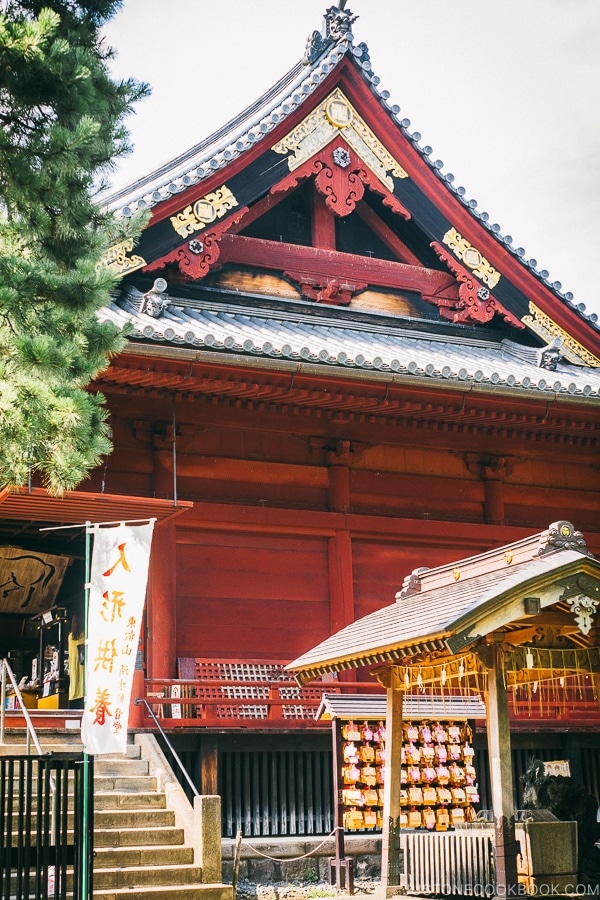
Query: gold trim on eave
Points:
[547, 329]
[333, 116]
[204, 211]
[471, 257]
[117, 260]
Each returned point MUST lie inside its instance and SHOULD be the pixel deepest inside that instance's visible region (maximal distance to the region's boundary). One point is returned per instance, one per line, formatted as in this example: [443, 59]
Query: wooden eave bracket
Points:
[475, 302]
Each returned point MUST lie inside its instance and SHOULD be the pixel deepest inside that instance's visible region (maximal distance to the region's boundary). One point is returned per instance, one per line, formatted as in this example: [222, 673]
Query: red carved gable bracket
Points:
[341, 178]
[475, 302]
[199, 255]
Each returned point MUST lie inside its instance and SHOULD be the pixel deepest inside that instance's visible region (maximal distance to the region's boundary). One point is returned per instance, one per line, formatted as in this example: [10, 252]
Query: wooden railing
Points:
[230, 693]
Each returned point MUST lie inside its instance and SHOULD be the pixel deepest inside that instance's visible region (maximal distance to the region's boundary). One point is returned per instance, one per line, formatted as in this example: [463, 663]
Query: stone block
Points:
[263, 870]
[548, 848]
[367, 866]
[306, 870]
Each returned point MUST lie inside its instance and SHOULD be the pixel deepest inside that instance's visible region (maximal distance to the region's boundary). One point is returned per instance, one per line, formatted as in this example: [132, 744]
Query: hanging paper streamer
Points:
[117, 591]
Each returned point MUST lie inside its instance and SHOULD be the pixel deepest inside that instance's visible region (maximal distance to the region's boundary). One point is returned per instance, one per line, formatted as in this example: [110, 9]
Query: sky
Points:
[506, 92]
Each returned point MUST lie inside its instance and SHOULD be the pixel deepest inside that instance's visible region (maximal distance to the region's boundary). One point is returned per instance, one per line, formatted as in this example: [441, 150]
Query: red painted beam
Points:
[332, 264]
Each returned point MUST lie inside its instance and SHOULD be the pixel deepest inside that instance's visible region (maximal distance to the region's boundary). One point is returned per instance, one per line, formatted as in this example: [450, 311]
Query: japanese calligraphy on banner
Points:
[118, 577]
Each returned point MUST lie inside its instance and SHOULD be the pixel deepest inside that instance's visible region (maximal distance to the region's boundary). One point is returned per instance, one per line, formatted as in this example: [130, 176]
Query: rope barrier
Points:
[291, 858]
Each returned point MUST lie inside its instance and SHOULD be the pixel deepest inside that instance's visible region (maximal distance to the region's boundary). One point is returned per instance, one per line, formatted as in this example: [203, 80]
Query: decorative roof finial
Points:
[338, 24]
[338, 21]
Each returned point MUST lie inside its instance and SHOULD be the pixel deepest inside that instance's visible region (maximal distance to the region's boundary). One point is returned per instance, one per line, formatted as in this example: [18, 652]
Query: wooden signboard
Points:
[29, 581]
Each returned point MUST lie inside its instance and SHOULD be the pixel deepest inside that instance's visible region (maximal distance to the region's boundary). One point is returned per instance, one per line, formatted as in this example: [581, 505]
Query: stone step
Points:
[125, 783]
[20, 749]
[129, 857]
[120, 800]
[120, 766]
[129, 775]
[146, 876]
[139, 800]
[111, 793]
[113, 838]
[174, 892]
[119, 819]
[138, 837]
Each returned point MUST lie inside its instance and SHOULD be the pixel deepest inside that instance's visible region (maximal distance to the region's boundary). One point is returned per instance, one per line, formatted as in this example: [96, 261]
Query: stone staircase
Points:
[140, 851]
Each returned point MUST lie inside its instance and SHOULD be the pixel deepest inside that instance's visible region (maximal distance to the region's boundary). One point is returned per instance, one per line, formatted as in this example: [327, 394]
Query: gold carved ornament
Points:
[333, 116]
[116, 258]
[471, 257]
[547, 329]
[204, 211]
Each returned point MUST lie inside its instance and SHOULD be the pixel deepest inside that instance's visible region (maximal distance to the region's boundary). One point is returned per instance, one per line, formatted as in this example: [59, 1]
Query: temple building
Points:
[338, 370]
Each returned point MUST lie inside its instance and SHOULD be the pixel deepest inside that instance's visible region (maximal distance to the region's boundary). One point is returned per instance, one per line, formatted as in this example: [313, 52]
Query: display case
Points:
[51, 672]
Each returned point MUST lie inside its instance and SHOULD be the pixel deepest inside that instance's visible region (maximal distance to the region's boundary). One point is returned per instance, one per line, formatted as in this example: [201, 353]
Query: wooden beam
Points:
[329, 263]
[386, 235]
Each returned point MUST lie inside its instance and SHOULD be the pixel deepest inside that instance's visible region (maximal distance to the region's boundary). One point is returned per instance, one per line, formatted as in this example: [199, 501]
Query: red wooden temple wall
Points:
[284, 546]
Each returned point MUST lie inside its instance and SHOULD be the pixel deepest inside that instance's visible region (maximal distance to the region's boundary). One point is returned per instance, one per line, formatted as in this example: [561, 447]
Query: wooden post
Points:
[162, 655]
[209, 765]
[498, 736]
[342, 867]
[390, 840]
[341, 584]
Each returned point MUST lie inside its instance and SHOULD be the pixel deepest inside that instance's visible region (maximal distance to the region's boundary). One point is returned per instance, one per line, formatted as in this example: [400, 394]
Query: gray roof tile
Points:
[367, 346]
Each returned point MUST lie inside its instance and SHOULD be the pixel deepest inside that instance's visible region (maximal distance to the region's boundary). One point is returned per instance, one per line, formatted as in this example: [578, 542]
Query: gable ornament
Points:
[584, 609]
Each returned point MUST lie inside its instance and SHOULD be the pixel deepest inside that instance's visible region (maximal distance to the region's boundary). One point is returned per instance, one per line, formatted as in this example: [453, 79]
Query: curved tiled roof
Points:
[294, 336]
[258, 120]
[404, 626]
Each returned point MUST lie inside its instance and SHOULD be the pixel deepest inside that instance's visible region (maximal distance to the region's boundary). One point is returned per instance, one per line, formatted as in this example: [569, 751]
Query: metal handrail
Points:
[143, 700]
[31, 732]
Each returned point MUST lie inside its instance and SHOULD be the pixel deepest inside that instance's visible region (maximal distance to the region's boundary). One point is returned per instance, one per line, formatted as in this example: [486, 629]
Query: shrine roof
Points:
[437, 604]
[324, 55]
[373, 707]
[344, 340]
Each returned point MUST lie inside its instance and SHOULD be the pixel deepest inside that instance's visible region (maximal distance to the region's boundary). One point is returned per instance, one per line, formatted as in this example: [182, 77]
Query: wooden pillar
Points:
[341, 583]
[501, 774]
[341, 588]
[338, 490]
[390, 840]
[162, 473]
[209, 765]
[493, 507]
[492, 470]
[162, 608]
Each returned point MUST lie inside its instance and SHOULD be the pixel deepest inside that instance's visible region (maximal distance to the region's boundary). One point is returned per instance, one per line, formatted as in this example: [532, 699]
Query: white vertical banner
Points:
[118, 577]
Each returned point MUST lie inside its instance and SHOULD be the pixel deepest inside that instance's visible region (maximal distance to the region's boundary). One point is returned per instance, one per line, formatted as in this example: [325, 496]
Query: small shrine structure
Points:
[522, 621]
